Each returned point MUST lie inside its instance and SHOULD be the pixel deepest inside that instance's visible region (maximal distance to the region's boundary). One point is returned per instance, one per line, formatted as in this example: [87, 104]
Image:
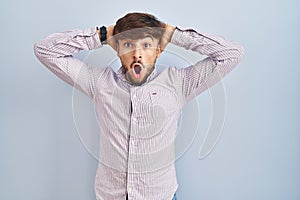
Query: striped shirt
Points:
[138, 123]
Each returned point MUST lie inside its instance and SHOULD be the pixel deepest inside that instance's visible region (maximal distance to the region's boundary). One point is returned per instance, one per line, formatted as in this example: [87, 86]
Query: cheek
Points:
[151, 56]
[125, 60]
[152, 59]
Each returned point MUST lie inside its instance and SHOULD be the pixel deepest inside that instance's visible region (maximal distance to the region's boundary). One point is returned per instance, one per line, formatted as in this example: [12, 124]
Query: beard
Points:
[138, 72]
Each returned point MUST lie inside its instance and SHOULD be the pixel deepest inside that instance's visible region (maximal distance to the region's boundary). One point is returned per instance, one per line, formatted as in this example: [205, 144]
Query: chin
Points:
[138, 82]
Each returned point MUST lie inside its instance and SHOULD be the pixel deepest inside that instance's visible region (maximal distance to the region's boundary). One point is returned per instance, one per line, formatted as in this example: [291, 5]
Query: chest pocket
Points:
[164, 99]
[157, 109]
[155, 96]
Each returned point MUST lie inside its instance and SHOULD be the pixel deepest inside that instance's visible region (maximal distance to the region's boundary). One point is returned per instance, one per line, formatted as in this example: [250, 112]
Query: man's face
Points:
[138, 58]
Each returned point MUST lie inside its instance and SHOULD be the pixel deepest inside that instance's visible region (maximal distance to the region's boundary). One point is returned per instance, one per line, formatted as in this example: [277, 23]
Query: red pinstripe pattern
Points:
[138, 124]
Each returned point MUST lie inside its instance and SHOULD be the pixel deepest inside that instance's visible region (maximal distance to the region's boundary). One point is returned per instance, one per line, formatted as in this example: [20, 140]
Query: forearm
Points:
[223, 56]
[67, 43]
[56, 50]
[215, 47]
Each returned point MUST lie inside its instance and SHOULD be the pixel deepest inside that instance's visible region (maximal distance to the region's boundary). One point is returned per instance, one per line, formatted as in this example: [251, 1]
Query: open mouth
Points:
[137, 68]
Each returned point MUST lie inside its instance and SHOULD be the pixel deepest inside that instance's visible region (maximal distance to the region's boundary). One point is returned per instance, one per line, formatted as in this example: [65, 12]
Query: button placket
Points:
[132, 142]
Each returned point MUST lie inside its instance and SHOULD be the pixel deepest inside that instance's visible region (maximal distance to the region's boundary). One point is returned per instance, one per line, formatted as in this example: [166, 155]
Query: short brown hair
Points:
[138, 25]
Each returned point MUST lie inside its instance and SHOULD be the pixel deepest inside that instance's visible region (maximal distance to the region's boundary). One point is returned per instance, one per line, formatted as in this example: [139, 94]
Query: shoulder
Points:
[168, 75]
[170, 72]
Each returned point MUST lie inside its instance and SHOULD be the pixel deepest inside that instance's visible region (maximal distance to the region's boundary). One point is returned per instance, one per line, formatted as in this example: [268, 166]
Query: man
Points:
[138, 108]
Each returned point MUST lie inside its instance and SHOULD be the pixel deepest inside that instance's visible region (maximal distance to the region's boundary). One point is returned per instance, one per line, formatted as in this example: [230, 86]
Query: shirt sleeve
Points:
[56, 50]
[223, 56]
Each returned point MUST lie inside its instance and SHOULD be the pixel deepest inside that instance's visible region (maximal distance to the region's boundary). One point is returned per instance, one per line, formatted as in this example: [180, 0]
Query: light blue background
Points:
[258, 155]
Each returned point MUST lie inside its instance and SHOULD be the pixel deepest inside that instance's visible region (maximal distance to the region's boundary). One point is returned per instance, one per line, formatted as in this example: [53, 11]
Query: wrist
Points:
[102, 32]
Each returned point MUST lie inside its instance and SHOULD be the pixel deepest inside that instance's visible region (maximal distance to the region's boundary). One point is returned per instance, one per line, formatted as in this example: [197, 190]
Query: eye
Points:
[147, 45]
[127, 44]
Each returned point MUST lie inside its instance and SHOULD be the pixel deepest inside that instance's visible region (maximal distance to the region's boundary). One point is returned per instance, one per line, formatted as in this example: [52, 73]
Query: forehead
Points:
[148, 39]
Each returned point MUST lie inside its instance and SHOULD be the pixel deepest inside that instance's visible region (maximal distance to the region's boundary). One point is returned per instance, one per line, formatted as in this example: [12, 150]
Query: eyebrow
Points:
[149, 36]
[144, 38]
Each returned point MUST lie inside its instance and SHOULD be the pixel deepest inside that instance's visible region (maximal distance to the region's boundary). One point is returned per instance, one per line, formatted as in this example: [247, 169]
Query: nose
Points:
[137, 54]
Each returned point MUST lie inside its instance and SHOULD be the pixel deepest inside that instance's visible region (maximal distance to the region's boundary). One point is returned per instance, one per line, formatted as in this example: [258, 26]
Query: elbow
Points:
[239, 53]
[37, 50]
[41, 51]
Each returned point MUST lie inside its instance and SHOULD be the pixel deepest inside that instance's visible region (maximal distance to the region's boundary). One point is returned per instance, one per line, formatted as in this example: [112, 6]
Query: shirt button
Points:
[134, 119]
[134, 96]
[130, 167]
[132, 142]
[129, 190]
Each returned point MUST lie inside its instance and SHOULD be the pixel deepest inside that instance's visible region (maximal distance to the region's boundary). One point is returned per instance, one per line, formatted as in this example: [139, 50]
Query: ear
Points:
[117, 48]
[158, 51]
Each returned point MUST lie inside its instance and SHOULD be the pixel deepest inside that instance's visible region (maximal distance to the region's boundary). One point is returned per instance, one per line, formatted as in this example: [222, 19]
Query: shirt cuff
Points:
[183, 37]
[92, 38]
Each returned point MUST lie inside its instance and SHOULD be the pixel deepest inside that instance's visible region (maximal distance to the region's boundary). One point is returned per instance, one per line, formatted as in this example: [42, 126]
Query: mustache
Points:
[135, 62]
